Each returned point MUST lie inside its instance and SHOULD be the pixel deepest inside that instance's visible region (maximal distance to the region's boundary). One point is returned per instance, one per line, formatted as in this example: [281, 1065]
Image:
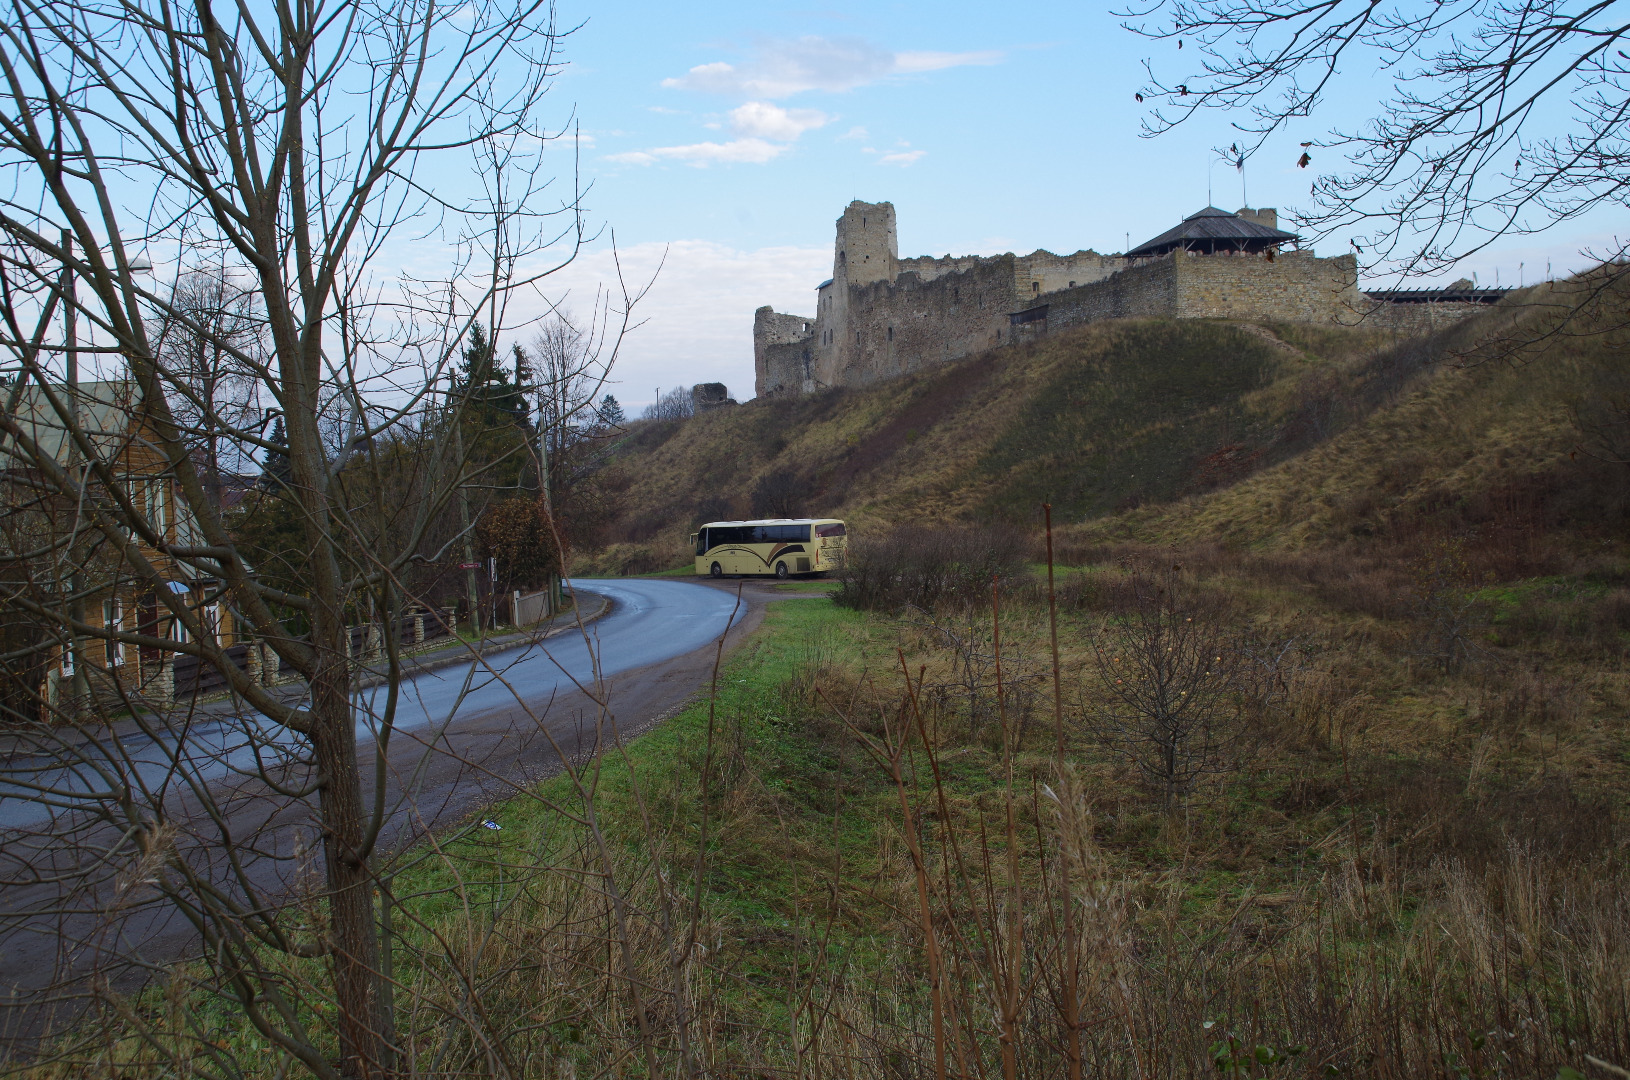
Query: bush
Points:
[930, 568]
[782, 494]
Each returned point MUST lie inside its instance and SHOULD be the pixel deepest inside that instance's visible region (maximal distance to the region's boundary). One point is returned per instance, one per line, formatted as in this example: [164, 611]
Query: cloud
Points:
[856, 132]
[767, 131]
[781, 68]
[760, 119]
[697, 317]
[901, 158]
[938, 61]
[737, 151]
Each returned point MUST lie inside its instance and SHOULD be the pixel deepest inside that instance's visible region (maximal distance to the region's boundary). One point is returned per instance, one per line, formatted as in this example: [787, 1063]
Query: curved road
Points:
[465, 734]
[651, 620]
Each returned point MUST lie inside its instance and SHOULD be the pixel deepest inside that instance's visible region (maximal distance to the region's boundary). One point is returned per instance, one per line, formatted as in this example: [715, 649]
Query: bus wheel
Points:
[717, 570]
[780, 569]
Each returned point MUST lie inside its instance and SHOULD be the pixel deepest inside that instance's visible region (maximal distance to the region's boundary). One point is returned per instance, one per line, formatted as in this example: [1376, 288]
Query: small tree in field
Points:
[1173, 690]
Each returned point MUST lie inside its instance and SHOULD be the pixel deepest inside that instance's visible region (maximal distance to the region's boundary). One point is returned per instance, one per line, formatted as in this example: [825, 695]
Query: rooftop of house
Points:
[105, 411]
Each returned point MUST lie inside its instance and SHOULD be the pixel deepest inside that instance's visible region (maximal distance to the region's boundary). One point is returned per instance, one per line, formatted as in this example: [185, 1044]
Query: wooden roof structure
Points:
[1212, 231]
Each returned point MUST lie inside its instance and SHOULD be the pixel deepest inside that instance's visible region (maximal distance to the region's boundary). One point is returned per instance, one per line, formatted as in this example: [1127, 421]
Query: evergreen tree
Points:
[276, 471]
[486, 384]
[611, 413]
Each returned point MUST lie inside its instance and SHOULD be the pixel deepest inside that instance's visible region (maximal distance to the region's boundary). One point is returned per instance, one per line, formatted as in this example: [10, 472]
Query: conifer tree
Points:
[275, 472]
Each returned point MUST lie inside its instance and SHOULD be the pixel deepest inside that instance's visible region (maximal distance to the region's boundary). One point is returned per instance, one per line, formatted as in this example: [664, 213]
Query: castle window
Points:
[1072, 284]
[1035, 286]
[857, 337]
[891, 333]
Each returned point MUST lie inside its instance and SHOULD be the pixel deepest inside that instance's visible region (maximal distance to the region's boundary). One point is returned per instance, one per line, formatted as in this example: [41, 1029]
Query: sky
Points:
[721, 141]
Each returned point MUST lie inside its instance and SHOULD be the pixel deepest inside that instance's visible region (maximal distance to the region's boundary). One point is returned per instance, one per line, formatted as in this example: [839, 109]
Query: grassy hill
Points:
[1167, 432]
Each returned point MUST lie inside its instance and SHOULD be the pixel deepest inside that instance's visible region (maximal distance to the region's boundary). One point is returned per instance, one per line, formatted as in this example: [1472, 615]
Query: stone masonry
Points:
[880, 315]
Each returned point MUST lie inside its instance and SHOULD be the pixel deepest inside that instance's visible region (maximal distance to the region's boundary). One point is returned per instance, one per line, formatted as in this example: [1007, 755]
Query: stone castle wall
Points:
[1418, 320]
[882, 316]
[772, 333]
[1288, 288]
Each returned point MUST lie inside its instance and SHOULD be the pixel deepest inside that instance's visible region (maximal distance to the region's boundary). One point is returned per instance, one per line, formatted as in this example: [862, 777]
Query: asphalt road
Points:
[464, 736]
[650, 621]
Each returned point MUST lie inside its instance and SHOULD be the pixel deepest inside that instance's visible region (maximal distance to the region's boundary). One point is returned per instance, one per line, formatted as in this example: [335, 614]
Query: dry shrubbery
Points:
[873, 863]
[1337, 900]
[929, 568]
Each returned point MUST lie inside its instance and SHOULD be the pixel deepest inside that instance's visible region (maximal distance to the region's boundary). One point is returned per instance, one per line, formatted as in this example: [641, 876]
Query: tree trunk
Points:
[366, 1041]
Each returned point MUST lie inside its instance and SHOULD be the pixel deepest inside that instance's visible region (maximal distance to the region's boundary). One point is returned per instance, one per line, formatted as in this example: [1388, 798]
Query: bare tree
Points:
[279, 159]
[674, 404]
[1172, 685]
[567, 367]
[1502, 118]
[209, 321]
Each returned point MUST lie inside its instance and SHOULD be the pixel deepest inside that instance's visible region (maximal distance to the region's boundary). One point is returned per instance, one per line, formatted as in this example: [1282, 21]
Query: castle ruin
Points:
[880, 315]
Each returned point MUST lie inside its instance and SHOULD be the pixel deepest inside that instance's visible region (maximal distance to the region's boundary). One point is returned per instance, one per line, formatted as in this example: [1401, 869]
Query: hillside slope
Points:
[1158, 431]
[1107, 417]
[1458, 435]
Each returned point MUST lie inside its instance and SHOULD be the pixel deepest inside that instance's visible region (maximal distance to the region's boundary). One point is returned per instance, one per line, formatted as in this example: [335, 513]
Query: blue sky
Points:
[727, 137]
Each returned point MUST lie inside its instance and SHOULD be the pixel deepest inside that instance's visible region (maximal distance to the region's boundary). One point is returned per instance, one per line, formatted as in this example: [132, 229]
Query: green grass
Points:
[814, 585]
[684, 569]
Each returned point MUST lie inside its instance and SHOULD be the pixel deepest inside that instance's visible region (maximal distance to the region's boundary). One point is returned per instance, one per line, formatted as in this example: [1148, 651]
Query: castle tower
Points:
[867, 248]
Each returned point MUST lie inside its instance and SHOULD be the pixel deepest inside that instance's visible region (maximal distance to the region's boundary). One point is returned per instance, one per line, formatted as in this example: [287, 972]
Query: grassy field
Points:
[1328, 776]
[1396, 867]
[1402, 869]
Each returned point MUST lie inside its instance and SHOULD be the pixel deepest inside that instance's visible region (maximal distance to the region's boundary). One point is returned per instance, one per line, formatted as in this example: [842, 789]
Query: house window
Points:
[212, 621]
[113, 619]
[158, 508]
[68, 660]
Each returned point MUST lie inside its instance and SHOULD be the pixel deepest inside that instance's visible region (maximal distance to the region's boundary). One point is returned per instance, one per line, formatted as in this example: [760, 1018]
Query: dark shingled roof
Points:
[1212, 230]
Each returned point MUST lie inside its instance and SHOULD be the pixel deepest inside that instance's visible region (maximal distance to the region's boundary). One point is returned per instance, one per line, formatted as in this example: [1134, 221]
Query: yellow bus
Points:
[779, 546]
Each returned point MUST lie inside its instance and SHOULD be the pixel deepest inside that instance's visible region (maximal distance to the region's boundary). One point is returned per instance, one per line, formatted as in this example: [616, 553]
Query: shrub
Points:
[782, 494]
[516, 532]
[1177, 685]
[930, 568]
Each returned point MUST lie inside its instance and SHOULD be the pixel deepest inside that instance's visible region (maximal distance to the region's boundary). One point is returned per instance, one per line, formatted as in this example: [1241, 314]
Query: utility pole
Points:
[470, 565]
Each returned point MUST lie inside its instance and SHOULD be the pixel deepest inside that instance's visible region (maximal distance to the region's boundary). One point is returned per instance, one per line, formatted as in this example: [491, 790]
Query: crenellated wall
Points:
[882, 316]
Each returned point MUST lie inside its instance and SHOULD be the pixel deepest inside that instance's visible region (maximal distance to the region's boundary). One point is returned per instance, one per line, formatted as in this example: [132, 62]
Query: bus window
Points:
[829, 530]
[700, 536]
